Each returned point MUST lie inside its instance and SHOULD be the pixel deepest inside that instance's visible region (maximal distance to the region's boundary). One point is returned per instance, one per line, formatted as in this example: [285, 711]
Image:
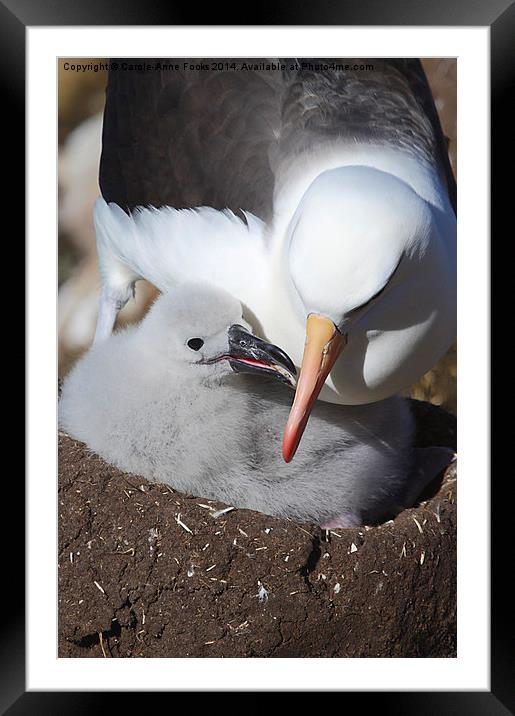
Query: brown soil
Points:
[145, 571]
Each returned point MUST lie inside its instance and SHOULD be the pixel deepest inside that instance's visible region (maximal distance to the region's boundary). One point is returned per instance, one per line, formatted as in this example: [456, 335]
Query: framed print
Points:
[122, 568]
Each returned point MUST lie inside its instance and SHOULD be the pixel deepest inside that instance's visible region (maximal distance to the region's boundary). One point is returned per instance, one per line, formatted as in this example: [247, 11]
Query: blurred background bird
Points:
[81, 98]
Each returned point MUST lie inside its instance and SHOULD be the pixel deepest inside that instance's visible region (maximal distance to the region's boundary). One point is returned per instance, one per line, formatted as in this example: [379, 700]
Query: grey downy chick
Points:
[170, 400]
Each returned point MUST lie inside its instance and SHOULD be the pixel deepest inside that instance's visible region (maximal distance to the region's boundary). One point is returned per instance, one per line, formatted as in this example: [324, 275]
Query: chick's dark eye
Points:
[195, 343]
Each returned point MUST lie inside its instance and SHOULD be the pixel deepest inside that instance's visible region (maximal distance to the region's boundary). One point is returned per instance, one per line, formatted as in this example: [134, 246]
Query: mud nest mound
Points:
[145, 571]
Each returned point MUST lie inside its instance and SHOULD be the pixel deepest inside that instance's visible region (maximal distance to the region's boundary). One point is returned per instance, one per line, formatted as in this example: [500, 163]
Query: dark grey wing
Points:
[382, 100]
[417, 80]
[208, 137]
[188, 138]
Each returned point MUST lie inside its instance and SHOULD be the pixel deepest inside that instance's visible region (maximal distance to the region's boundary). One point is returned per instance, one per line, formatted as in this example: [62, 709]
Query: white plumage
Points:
[342, 224]
[352, 270]
[142, 400]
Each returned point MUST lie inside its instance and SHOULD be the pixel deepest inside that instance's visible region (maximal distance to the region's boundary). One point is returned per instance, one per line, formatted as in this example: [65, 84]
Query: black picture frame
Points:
[15, 17]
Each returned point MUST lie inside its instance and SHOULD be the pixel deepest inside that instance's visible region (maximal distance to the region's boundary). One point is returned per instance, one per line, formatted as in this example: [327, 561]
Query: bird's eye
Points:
[195, 344]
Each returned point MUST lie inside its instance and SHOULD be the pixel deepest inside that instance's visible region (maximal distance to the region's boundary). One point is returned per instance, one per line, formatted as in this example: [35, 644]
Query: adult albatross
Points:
[325, 203]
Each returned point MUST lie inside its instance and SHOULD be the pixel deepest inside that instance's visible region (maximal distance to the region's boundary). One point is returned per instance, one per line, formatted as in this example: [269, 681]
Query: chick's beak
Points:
[324, 344]
[250, 354]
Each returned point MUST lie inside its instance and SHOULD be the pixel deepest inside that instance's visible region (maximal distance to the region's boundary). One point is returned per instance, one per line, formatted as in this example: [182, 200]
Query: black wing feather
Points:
[188, 138]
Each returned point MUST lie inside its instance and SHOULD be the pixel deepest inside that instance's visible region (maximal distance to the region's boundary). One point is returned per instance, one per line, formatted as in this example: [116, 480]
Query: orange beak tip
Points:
[288, 446]
[323, 346]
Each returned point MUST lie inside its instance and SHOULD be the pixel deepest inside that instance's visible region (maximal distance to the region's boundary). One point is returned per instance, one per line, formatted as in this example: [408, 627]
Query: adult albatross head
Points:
[358, 234]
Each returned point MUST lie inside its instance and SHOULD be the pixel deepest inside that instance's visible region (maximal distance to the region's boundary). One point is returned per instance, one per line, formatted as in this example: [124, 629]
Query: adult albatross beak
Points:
[324, 343]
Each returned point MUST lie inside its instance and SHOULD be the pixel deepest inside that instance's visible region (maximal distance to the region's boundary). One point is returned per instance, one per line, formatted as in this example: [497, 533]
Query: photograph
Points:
[257, 357]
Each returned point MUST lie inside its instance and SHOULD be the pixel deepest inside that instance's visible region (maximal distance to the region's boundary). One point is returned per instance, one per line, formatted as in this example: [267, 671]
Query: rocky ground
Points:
[145, 571]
